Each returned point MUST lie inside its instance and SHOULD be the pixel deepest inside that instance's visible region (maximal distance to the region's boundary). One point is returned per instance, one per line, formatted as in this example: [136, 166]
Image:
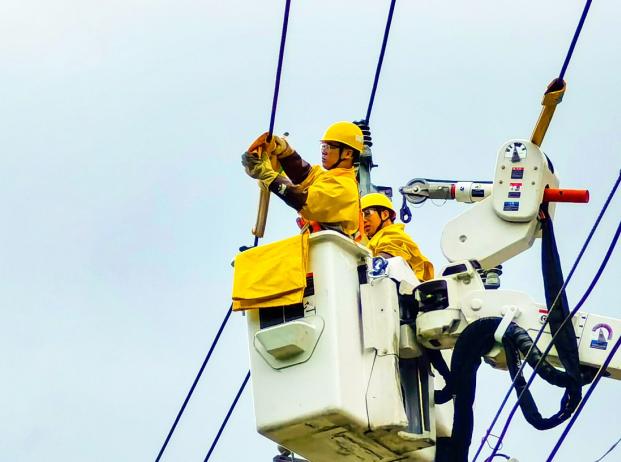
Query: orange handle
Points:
[580, 196]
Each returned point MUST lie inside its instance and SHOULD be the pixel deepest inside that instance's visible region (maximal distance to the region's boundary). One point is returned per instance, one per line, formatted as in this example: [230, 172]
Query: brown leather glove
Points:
[261, 145]
[282, 148]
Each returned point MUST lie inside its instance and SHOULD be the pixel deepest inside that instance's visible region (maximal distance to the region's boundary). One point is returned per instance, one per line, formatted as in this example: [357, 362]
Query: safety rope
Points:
[198, 376]
[567, 319]
[588, 394]
[380, 60]
[540, 333]
[228, 415]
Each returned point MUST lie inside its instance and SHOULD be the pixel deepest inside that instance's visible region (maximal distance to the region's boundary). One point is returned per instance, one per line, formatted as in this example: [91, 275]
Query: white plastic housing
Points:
[520, 180]
[323, 406]
[505, 223]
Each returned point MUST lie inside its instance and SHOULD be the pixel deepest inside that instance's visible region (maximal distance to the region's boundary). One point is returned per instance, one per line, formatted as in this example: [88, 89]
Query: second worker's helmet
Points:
[378, 200]
[347, 133]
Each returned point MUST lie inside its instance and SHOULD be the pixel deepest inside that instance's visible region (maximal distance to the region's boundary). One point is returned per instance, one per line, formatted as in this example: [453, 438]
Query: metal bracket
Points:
[509, 315]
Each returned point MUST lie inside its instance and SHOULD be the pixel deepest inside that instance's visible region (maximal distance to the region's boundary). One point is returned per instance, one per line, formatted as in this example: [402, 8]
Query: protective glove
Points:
[259, 168]
[261, 145]
[366, 132]
[282, 148]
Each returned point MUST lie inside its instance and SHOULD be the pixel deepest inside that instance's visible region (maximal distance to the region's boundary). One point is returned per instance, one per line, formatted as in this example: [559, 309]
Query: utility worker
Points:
[389, 239]
[325, 196]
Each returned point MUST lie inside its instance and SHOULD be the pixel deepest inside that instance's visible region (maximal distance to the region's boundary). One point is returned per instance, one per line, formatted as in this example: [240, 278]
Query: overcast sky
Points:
[123, 200]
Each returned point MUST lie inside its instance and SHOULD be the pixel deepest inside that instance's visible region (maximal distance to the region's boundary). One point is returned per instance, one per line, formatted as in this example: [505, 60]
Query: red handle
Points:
[580, 196]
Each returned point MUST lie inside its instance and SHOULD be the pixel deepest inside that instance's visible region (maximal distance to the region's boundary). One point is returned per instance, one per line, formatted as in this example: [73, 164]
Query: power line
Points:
[228, 415]
[281, 53]
[381, 59]
[609, 451]
[574, 40]
[198, 376]
[589, 392]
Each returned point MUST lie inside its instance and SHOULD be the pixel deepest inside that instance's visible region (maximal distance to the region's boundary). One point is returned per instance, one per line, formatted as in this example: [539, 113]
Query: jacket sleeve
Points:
[296, 168]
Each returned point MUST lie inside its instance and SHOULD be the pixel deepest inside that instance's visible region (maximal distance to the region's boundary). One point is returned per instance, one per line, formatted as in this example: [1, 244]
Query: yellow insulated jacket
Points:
[332, 198]
[394, 241]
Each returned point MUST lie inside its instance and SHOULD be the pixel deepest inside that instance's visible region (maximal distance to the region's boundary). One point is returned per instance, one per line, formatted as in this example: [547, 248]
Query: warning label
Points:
[511, 206]
[515, 190]
[517, 173]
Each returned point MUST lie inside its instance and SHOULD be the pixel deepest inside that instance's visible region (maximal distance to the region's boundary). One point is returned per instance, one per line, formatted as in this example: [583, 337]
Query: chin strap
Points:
[340, 158]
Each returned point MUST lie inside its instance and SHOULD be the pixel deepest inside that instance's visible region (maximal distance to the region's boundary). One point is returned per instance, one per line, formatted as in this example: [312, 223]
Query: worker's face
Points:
[373, 220]
[330, 155]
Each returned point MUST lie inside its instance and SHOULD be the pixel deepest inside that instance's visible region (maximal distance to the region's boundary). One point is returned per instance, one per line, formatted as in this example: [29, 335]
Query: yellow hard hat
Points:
[377, 200]
[347, 133]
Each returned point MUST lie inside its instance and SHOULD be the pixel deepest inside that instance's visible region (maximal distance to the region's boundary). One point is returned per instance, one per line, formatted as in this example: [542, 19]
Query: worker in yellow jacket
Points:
[389, 239]
[325, 194]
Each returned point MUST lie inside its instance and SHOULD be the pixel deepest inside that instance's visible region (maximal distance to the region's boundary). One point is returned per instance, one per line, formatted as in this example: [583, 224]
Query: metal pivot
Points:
[553, 96]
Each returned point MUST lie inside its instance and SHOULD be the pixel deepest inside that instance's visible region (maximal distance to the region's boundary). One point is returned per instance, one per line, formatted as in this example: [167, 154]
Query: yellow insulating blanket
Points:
[271, 275]
[394, 241]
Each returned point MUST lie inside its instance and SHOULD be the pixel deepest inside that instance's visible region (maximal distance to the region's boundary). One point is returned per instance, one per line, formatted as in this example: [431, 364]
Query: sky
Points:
[123, 201]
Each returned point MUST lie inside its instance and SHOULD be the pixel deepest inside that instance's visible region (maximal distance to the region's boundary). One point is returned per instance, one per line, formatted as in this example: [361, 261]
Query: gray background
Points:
[123, 201]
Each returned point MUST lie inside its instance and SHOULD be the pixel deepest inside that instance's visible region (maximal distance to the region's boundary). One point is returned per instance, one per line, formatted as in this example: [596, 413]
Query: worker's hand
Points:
[259, 168]
[366, 132]
[282, 148]
[261, 144]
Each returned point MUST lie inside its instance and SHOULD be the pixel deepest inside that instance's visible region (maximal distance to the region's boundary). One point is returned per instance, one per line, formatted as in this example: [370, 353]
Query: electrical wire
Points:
[381, 59]
[609, 451]
[574, 40]
[586, 397]
[228, 415]
[540, 333]
[198, 376]
[281, 53]
[568, 318]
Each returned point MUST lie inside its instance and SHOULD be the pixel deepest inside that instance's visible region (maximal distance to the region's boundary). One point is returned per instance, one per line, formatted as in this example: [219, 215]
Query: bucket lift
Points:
[326, 374]
[343, 376]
